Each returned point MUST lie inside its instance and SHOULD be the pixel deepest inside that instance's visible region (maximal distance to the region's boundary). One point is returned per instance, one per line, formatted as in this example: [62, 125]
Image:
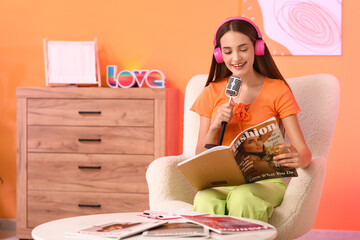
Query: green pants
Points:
[254, 200]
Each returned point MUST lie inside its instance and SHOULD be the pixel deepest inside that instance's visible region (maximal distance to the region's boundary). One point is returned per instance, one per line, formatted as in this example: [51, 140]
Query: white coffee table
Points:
[55, 230]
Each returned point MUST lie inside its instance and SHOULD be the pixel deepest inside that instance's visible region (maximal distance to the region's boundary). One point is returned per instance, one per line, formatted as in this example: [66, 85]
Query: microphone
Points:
[232, 91]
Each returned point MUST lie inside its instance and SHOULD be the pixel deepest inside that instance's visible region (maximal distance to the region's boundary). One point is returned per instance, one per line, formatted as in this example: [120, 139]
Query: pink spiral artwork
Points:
[310, 25]
[298, 27]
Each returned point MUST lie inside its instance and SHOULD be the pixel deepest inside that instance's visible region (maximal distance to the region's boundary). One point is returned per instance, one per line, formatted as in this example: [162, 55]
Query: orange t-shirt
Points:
[274, 100]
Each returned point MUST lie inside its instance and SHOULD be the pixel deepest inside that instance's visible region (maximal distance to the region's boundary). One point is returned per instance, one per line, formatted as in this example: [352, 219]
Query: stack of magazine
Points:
[186, 227]
[114, 230]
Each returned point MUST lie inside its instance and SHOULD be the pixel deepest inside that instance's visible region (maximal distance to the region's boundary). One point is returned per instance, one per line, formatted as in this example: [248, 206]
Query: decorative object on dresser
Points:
[86, 150]
[71, 62]
[139, 78]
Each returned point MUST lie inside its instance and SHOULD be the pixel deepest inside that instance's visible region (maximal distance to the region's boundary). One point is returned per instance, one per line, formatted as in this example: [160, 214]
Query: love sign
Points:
[127, 78]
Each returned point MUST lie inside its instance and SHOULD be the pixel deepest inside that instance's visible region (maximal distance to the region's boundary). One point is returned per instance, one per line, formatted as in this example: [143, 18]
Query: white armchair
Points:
[318, 98]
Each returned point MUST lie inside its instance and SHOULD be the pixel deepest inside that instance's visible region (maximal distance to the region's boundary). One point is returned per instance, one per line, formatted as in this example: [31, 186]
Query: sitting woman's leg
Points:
[256, 200]
[212, 200]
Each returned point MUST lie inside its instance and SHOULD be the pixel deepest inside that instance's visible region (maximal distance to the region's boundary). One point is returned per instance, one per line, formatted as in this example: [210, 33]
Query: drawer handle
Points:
[89, 139]
[90, 205]
[90, 112]
[89, 167]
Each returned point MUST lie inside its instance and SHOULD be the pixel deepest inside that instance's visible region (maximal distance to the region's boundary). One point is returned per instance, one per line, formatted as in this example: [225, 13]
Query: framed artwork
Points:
[297, 27]
[71, 63]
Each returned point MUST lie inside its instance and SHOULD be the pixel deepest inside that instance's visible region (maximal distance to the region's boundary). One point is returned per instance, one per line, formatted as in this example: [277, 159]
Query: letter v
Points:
[140, 76]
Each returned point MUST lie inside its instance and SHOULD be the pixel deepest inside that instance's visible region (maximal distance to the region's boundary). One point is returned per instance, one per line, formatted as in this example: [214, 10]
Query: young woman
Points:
[240, 51]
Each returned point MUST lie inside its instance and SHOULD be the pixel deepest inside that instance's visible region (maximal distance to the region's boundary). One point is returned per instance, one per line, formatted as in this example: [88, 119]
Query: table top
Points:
[55, 230]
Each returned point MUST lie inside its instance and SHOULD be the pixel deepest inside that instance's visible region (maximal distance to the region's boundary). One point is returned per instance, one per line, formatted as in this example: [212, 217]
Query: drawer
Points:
[91, 112]
[88, 172]
[60, 139]
[44, 206]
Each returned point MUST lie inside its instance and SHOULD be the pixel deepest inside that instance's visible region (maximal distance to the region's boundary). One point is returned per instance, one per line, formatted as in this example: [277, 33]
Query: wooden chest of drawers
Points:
[85, 150]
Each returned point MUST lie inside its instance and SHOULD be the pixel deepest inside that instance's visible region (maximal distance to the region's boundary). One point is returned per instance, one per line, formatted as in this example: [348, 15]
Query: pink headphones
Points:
[259, 44]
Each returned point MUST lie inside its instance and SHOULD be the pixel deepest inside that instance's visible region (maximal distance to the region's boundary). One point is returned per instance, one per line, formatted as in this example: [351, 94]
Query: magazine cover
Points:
[248, 159]
[226, 224]
[115, 230]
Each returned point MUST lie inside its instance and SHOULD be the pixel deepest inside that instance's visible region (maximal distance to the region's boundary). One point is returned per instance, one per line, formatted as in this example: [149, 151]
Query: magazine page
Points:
[214, 169]
[115, 230]
[206, 152]
[177, 229]
[226, 224]
[254, 150]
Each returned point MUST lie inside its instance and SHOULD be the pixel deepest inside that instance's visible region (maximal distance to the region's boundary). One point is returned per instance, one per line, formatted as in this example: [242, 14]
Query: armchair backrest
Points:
[318, 98]
[191, 119]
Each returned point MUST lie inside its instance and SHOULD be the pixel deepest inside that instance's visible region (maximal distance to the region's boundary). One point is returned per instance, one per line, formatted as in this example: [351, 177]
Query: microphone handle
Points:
[222, 132]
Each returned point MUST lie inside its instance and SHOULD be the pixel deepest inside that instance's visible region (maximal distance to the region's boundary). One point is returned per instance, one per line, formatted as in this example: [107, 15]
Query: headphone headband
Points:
[238, 18]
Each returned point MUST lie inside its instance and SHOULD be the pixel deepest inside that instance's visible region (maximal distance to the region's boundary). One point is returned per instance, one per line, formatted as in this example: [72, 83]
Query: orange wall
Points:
[175, 37]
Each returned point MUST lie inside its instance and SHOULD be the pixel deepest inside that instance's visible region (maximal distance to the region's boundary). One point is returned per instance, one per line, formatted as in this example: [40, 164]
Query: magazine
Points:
[248, 159]
[114, 230]
[163, 215]
[226, 224]
[178, 230]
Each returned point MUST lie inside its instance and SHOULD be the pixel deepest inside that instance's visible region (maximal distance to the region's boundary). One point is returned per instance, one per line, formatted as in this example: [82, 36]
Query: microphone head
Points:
[233, 87]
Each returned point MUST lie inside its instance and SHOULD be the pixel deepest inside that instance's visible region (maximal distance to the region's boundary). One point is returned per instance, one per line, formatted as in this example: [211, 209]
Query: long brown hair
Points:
[263, 64]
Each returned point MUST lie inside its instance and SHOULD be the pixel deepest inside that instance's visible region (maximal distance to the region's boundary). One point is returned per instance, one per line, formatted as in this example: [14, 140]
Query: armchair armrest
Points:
[301, 201]
[168, 188]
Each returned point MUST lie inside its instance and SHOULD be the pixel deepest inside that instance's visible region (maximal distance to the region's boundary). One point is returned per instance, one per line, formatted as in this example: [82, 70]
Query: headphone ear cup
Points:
[218, 55]
[259, 47]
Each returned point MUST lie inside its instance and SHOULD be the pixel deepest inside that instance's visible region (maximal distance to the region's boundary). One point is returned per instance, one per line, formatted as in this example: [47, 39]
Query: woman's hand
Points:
[290, 159]
[224, 114]
[209, 132]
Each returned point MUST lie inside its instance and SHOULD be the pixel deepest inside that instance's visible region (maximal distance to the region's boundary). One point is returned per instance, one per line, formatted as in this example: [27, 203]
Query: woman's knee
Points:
[242, 202]
[242, 193]
[210, 201]
[268, 192]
